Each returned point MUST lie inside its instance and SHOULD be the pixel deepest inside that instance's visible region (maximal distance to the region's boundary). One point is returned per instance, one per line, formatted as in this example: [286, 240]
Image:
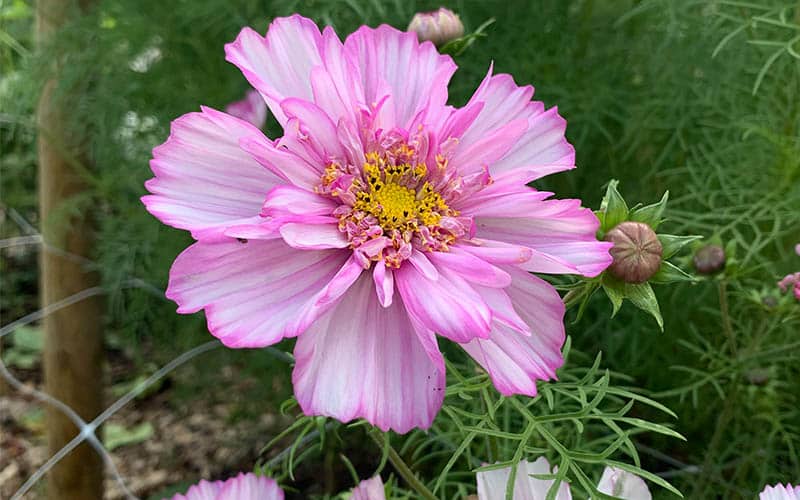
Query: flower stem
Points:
[726, 318]
[401, 467]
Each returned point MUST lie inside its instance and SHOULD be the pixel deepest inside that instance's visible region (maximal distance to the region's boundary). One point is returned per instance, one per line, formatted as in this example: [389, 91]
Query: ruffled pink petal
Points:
[502, 198]
[336, 85]
[250, 487]
[317, 130]
[257, 228]
[279, 64]
[258, 292]
[541, 150]
[497, 252]
[364, 360]
[790, 280]
[502, 308]
[394, 63]
[251, 109]
[449, 305]
[369, 489]
[204, 182]
[559, 231]
[283, 163]
[780, 492]
[204, 490]
[423, 264]
[291, 203]
[513, 360]
[486, 151]
[311, 235]
[623, 484]
[384, 283]
[503, 101]
[459, 120]
[471, 268]
[492, 483]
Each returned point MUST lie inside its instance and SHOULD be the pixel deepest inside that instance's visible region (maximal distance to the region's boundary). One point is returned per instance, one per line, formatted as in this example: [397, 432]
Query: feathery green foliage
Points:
[701, 98]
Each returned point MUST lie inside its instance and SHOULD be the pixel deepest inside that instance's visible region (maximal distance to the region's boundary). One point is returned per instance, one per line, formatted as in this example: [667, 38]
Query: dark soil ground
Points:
[206, 437]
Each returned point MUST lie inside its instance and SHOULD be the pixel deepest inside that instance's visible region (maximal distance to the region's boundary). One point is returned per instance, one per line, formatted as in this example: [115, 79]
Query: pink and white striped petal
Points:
[245, 486]
[449, 305]
[542, 149]
[384, 283]
[486, 151]
[623, 484]
[515, 360]
[310, 235]
[560, 230]
[492, 483]
[780, 492]
[336, 85]
[258, 292]
[251, 109]
[287, 166]
[204, 182]
[291, 203]
[279, 64]
[363, 360]
[204, 490]
[497, 252]
[394, 63]
[250, 487]
[316, 131]
[471, 268]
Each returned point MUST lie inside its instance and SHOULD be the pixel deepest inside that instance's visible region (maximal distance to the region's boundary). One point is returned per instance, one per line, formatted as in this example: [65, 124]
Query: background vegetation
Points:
[701, 98]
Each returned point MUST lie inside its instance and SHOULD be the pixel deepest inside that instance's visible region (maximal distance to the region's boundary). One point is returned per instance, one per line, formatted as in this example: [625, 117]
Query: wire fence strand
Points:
[86, 431]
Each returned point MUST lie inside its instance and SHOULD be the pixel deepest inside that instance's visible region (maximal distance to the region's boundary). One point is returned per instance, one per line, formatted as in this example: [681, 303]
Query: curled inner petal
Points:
[394, 202]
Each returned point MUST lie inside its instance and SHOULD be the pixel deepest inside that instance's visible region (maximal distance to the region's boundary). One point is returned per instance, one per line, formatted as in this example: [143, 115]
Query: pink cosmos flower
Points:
[623, 484]
[381, 218]
[492, 483]
[791, 280]
[614, 482]
[780, 492]
[369, 489]
[242, 487]
[251, 109]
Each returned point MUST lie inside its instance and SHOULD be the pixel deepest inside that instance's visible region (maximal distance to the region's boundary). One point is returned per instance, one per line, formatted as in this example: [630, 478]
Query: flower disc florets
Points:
[394, 203]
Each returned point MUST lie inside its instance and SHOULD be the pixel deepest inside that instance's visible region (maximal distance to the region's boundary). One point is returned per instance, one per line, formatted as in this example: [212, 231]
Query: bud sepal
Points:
[640, 254]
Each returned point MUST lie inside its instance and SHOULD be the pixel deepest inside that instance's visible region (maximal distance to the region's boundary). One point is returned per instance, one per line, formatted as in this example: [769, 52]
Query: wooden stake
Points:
[73, 336]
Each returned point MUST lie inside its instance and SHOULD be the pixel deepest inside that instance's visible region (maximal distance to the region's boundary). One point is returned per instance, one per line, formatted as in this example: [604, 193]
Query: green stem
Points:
[727, 326]
[400, 466]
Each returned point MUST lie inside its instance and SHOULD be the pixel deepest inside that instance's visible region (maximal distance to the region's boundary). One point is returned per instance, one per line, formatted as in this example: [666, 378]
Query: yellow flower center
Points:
[397, 206]
[392, 200]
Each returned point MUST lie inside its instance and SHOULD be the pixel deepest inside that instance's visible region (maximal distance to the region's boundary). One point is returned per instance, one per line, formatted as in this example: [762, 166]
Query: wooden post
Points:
[73, 335]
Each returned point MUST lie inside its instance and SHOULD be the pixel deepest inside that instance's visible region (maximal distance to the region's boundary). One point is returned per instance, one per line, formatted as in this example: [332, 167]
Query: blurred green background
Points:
[701, 98]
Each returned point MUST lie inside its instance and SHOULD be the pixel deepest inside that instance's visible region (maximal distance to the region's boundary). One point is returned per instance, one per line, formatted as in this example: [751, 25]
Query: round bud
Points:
[439, 26]
[758, 376]
[636, 252]
[709, 259]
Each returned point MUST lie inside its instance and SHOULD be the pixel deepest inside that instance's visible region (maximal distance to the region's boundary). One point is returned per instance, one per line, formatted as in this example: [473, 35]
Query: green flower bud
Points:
[709, 259]
[440, 26]
[636, 252]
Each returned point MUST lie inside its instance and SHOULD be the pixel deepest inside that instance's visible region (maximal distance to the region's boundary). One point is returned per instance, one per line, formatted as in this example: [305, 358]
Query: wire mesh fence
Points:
[87, 430]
